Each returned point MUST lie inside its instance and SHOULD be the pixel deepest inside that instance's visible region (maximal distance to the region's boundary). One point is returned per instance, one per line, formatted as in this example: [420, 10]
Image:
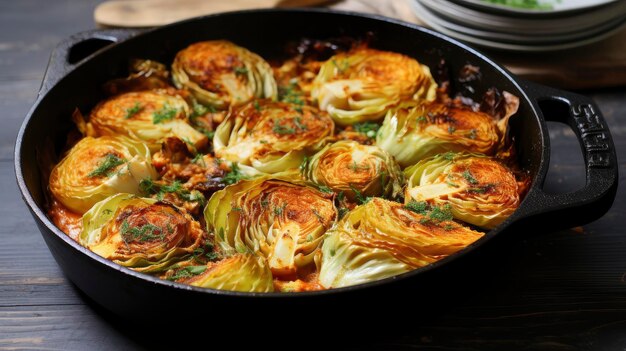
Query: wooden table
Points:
[555, 291]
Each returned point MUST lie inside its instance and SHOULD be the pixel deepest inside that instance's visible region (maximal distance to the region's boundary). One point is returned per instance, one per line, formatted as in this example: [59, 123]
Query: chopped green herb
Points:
[368, 128]
[264, 203]
[325, 189]
[147, 232]
[281, 129]
[238, 209]
[199, 159]
[234, 175]
[166, 113]
[421, 119]
[355, 167]
[342, 212]
[256, 105]
[130, 112]
[187, 272]
[319, 217]
[292, 95]
[104, 168]
[298, 122]
[441, 214]
[241, 70]
[417, 206]
[449, 156]
[279, 210]
[309, 238]
[148, 186]
[359, 196]
[452, 184]
[106, 212]
[448, 227]
[469, 177]
[451, 129]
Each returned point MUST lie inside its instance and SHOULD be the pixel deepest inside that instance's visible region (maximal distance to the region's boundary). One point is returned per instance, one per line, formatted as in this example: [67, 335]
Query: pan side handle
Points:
[559, 211]
[72, 51]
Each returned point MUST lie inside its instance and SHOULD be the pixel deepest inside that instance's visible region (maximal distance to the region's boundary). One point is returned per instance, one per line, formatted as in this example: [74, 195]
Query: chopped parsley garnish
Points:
[234, 175]
[206, 252]
[441, 214]
[130, 112]
[417, 206]
[342, 212]
[298, 122]
[359, 196]
[451, 129]
[452, 184]
[325, 189]
[356, 167]
[148, 186]
[166, 113]
[147, 232]
[256, 105]
[469, 177]
[291, 95]
[319, 217]
[188, 272]
[281, 129]
[279, 210]
[449, 156]
[368, 128]
[421, 119]
[241, 70]
[104, 168]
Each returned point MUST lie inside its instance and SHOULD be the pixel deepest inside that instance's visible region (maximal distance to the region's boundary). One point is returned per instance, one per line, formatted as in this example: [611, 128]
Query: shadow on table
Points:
[367, 321]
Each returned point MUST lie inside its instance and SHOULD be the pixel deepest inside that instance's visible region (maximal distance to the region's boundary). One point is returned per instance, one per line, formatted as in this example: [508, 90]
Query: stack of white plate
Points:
[524, 25]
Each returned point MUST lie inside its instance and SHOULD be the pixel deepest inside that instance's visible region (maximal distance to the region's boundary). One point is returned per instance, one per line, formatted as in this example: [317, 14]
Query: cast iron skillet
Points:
[75, 74]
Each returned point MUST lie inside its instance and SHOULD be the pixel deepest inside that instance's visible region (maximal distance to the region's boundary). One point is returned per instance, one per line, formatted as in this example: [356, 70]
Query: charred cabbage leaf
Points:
[279, 220]
[272, 136]
[364, 83]
[140, 233]
[221, 74]
[479, 190]
[96, 168]
[382, 238]
[357, 170]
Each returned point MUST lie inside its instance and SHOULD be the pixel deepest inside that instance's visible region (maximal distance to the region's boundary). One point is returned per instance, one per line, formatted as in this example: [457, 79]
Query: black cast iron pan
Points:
[75, 74]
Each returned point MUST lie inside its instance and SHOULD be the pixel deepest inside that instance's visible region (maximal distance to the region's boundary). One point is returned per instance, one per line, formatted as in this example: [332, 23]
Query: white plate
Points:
[537, 26]
[546, 6]
[435, 22]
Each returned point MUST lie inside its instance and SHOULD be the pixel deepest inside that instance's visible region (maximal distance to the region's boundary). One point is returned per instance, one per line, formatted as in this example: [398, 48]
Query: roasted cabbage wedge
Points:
[283, 221]
[480, 190]
[240, 272]
[414, 131]
[96, 168]
[145, 116]
[382, 238]
[272, 136]
[359, 171]
[221, 74]
[140, 233]
[364, 83]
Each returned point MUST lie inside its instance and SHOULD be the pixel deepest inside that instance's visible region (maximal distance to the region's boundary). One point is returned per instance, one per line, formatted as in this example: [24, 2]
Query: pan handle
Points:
[72, 51]
[568, 210]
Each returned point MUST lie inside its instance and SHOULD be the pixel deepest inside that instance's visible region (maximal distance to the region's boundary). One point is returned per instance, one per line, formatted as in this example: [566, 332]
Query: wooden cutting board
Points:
[598, 65]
